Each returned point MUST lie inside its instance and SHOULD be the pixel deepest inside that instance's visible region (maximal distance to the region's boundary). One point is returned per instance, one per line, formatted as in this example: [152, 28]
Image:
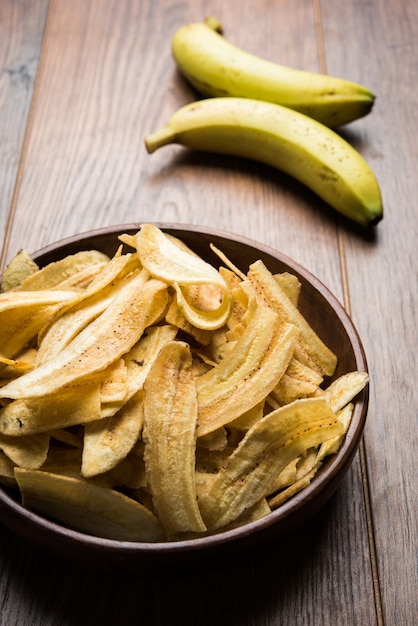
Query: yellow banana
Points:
[278, 136]
[215, 67]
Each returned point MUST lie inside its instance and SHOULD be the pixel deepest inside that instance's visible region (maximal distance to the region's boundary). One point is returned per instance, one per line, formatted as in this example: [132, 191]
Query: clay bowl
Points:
[331, 322]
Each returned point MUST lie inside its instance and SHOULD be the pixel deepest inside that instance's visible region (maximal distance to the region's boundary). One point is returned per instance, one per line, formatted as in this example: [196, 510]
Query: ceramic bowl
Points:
[331, 322]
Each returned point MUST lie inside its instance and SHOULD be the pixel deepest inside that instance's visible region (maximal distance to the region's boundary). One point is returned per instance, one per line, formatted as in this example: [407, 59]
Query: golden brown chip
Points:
[265, 450]
[29, 451]
[109, 440]
[172, 263]
[292, 489]
[253, 368]
[142, 355]
[55, 273]
[170, 416]
[20, 267]
[22, 315]
[342, 390]
[23, 362]
[76, 405]
[175, 317]
[74, 315]
[114, 386]
[87, 507]
[290, 284]
[270, 292]
[103, 341]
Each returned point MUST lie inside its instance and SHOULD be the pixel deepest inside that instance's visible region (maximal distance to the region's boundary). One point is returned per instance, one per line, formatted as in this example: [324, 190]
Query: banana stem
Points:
[160, 138]
[214, 24]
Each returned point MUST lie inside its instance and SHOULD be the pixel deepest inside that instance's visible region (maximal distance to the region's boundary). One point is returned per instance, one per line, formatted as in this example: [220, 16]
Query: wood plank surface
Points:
[21, 30]
[106, 78]
[383, 279]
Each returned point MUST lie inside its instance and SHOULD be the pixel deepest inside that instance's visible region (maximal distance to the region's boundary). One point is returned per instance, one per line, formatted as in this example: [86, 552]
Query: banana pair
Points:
[275, 115]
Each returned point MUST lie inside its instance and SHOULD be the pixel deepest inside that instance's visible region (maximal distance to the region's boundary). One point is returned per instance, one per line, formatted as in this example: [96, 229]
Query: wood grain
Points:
[104, 80]
[21, 30]
[315, 573]
[383, 280]
[108, 79]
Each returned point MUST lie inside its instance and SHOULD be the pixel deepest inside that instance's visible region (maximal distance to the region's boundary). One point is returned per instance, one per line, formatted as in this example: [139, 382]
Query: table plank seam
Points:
[25, 144]
[346, 300]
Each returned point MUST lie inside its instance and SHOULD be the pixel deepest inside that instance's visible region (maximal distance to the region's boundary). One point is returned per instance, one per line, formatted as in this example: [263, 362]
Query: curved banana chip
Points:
[253, 368]
[266, 449]
[181, 268]
[134, 308]
[170, 416]
[87, 507]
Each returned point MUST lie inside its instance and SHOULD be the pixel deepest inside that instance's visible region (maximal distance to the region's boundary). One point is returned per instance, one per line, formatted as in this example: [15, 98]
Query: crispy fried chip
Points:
[332, 445]
[27, 416]
[22, 315]
[170, 416]
[29, 452]
[56, 273]
[342, 390]
[114, 386]
[19, 268]
[142, 355]
[103, 341]
[176, 317]
[290, 284]
[271, 293]
[181, 269]
[292, 489]
[23, 362]
[87, 507]
[75, 314]
[109, 440]
[252, 369]
[265, 450]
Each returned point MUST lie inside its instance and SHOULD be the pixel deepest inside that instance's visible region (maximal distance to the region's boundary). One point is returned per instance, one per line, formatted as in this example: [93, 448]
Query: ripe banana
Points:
[215, 67]
[278, 136]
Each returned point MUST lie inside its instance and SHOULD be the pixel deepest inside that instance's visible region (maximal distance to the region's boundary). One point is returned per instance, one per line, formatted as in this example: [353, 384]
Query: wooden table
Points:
[81, 83]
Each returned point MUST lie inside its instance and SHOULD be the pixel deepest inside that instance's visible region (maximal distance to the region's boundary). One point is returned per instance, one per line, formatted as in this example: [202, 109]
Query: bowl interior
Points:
[327, 317]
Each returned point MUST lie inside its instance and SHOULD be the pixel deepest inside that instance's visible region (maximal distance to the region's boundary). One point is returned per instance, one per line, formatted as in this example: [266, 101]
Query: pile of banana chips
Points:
[151, 397]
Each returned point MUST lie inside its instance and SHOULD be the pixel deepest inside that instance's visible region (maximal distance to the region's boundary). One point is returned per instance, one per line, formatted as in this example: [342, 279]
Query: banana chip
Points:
[106, 338]
[272, 294]
[20, 267]
[345, 388]
[87, 507]
[170, 416]
[28, 416]
[29, 452]
[22, 315]
[253, 368]
[54, 274]
[107, 441]
[86, 306]
[265, 450]
[152, 397]
[179, 268]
